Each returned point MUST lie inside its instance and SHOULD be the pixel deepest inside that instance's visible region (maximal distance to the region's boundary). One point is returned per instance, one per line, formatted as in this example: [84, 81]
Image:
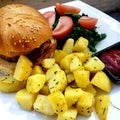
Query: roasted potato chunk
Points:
[25, 99]
[68, 46]
[81, 44]
[58, 82]
[59, 54]
[37, 70]
[43, 105]
[23, 68]
[82, 78]
[102, 81]
[35, 83]
[85, 104]
[58, 102]
[101, 106]
[10, 84]
[48, 62]
[72, 95]
[94, 64]
[70, 114]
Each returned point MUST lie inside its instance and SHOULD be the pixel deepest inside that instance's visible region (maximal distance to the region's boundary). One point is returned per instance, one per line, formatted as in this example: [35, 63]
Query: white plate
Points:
[9, 108]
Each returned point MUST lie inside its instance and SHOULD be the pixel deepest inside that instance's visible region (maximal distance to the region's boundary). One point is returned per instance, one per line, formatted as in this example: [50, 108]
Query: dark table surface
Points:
[115, 15]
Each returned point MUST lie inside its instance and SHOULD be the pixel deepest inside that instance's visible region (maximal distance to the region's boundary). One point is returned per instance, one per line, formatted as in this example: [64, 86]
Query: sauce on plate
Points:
[111, 59]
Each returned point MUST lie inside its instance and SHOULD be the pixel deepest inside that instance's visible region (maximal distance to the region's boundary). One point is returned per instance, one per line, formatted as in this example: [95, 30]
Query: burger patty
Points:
[44, 51]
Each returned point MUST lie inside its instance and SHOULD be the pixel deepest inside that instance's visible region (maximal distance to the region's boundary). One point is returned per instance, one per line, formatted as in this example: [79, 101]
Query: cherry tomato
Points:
[50, 16]
[63, 28]
[88, 22]
[61, 9]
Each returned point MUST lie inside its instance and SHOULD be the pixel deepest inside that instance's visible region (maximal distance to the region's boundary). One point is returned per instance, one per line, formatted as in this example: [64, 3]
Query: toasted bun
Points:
[22, 29]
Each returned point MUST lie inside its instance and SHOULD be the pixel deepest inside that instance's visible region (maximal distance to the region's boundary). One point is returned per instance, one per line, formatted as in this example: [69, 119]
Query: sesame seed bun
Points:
[22, 29]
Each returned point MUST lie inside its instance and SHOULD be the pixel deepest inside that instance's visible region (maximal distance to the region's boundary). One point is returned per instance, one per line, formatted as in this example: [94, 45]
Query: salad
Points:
[67, 22]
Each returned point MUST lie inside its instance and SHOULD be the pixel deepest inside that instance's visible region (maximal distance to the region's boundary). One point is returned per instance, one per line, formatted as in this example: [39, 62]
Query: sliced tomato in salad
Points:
[88, 22]
[63, 28]
[61, 9]
[50, 16]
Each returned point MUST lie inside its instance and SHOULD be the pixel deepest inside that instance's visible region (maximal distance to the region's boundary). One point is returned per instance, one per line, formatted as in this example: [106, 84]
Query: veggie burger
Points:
[23, 31]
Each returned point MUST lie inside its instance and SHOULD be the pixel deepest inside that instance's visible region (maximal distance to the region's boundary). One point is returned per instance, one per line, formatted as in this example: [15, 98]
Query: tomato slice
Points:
[61, 9]
[88, 22]
[63, 28]
[50, 16]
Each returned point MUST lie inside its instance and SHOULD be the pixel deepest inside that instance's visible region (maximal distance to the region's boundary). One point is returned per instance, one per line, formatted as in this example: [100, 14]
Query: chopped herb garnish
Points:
[55, 72]
[57, 82]
[104, 110]
[13, 82]
[95, 59]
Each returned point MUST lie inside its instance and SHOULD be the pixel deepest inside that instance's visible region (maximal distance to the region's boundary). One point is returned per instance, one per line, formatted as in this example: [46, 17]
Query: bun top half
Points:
[22, 29]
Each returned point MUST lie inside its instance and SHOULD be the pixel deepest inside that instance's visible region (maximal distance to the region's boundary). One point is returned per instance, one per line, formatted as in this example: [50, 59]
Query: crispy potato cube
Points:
[42, 105]
[23, 68]
[68, 46]
[65, 62]
[52, 71]
[48, 62]
[45, 90]
[90, 88]
[9, 84]
[75, 64]
[58, 82]
[25, 99]
[85, 104]
[82, 56]
[70, 114]
[37, 70]
[82, 78]
[101, 106]
[94, 64]
[59, 55]
[102, 81]
[88, 52]
[72, 94]
[81, 44]
[70, 77]
[58, 102]
[35, 83]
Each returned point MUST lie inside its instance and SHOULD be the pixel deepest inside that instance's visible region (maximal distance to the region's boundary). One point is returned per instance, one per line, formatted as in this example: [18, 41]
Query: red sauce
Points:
[111, 59]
